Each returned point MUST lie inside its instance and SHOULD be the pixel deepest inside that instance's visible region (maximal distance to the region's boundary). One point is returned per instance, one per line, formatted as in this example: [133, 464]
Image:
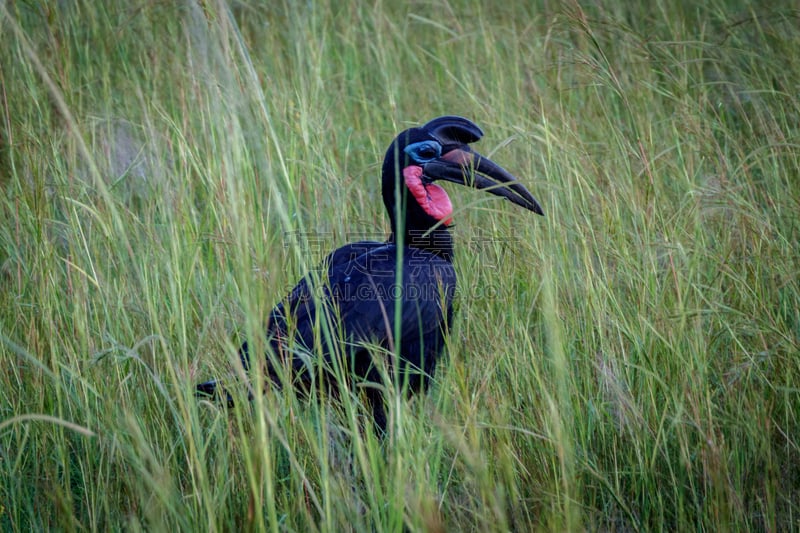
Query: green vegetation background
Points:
[629, 362]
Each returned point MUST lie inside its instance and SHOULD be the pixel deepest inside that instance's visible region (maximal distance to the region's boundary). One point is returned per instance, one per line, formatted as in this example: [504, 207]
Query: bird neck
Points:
[438, 241]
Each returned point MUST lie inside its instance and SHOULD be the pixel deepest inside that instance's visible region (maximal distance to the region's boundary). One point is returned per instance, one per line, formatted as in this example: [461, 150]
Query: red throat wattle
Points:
[430, 197]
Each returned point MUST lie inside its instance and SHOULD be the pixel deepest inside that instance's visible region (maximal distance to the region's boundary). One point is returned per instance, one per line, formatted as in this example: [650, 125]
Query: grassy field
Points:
[627, 363]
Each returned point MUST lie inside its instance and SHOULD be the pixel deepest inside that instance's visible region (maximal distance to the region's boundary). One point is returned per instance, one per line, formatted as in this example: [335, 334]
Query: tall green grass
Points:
[629, 362]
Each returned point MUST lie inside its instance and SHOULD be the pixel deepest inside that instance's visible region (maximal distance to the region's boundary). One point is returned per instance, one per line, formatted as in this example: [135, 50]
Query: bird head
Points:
[440, 151]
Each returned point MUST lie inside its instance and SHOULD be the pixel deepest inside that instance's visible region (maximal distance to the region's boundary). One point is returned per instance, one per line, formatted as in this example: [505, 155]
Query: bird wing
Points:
[359, 296]
[300, 301]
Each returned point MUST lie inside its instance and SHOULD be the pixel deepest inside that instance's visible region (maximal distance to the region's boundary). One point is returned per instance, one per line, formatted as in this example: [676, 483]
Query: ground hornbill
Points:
[385, 306]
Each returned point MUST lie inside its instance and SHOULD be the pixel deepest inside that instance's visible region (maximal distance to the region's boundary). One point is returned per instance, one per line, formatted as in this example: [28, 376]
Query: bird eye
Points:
[424, 151]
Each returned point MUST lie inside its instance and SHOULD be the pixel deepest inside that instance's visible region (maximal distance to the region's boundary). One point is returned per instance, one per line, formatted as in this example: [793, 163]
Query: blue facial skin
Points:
[423, 151]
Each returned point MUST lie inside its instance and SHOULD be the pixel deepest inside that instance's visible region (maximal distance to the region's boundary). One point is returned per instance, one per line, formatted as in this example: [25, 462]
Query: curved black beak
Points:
[465, 166]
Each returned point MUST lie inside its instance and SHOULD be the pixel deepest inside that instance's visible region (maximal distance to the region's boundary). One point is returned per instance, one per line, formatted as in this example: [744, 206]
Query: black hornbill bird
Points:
[396, 294]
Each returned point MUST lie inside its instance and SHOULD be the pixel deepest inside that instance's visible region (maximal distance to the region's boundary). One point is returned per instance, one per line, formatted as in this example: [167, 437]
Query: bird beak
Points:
[466, 167]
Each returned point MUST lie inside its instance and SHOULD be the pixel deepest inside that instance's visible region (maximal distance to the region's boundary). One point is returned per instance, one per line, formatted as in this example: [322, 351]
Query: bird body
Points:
[396, 295]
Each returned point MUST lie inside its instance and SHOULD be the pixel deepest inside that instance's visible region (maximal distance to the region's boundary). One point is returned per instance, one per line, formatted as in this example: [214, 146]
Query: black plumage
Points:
[359, 291]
